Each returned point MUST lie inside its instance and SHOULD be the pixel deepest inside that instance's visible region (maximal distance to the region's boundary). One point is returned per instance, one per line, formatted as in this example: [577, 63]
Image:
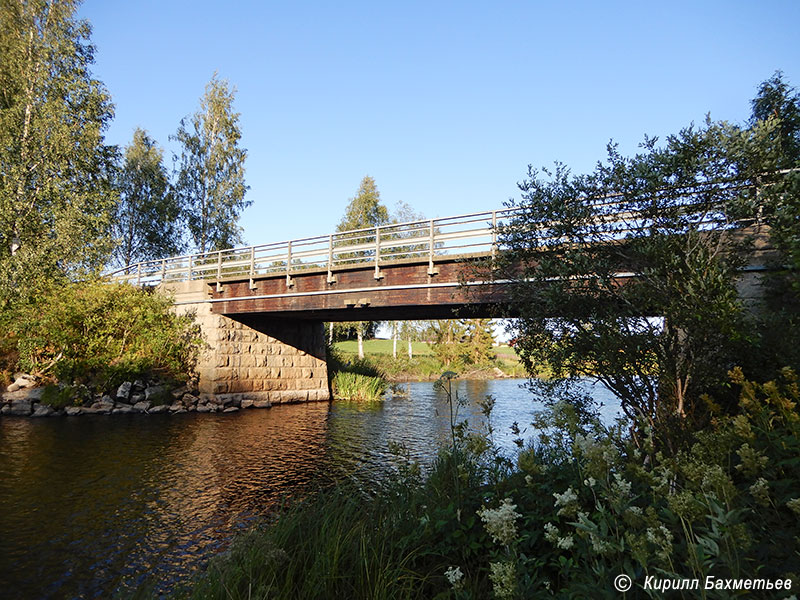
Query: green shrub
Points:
[103, 334]
[59, 396]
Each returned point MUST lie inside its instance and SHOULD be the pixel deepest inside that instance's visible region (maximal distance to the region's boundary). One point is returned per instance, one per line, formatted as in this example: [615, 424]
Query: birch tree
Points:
[56, 195]
[210, 181]
[146, 222]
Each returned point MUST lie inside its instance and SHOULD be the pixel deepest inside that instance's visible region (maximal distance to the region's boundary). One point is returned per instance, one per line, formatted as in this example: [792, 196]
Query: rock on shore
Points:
[24, 399]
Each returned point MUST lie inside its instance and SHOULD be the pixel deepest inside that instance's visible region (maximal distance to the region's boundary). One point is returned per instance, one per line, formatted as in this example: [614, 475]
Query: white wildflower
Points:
[794, 506]
[565, 543]
[500, 522]
[503, 577]
[455, 577]
[567, 500]
[591, 482]
[551, 533]
[760, 491]
[621, 486]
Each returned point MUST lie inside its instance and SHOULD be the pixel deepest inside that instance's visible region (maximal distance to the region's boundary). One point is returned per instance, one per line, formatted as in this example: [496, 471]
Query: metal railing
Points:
[425, 241]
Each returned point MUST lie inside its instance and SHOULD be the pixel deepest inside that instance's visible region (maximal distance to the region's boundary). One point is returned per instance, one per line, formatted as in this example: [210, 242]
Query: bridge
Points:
[261, 308]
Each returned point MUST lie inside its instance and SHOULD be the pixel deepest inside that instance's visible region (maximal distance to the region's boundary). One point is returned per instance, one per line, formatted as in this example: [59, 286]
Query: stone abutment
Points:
[264, 361]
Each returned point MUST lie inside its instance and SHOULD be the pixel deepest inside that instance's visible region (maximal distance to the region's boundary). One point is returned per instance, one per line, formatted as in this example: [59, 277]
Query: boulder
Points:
[247, 403]
[156, 392]
[122, 410]
[142, 406]
[262, 404]
[124, 391]
[179, 392]
[176, 407]
[21, 407]
[139, 386]
[203, 408]
[160, 408]
[22, 381]
[5, 409]
[231, 409]
[188, 400]
[137, 397]
[73, 411]
[43, 410]
[32, 394]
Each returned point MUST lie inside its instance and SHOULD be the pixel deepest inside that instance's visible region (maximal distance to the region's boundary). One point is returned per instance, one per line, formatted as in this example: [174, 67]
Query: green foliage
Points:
[457, 343]
[576, 509]
[59, 396]
[210, 181]
[146, 221]
[364, 209]
[103, 333]
[667, 330]
[357, 387]
[56, 195]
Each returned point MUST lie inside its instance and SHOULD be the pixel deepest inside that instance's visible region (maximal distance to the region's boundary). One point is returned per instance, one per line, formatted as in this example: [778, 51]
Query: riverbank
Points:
[24, 399]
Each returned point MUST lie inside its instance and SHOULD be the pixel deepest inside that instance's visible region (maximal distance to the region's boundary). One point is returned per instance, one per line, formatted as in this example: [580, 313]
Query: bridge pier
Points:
[262, 360]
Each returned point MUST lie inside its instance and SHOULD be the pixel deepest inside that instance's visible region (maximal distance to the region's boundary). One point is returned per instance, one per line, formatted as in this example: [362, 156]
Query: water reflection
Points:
[94, 504]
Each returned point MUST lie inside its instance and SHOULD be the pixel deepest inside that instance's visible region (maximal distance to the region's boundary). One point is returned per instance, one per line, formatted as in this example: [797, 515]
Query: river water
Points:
[90, 506]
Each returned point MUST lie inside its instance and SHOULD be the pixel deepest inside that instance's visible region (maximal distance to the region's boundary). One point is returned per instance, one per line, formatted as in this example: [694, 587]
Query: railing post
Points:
[163, 269]
[219, 270]
[289, 282]
[378, 274]
[494, 235]
[331, 277]
[252, 266]
[431, 245]
[189, 272]
[138, 273]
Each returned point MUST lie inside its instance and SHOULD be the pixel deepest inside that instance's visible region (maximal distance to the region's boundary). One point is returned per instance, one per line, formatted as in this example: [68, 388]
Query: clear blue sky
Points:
[443, 103]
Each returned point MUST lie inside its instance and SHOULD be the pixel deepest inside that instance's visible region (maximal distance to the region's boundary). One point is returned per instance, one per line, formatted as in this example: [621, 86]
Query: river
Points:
[90, 506]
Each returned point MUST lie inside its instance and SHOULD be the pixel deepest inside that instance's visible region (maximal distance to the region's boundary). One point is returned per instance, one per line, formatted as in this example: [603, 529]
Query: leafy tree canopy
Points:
[56, 195]
[147, 218]
[628, 274]
[210, 182]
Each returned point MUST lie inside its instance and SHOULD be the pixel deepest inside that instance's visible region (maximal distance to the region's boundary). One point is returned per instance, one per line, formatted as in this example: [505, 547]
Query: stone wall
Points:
[265, 361]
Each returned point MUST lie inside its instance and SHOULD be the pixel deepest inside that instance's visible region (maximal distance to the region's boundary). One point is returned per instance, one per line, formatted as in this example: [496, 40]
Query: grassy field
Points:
[384, 347]
[424, 364]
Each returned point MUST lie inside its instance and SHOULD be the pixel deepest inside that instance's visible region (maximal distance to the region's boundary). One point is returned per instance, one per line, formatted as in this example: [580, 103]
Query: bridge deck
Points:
[403, 289]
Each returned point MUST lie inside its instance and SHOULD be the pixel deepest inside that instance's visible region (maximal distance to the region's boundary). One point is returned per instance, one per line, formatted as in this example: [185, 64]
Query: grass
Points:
[424, 365]
[385, 347]
[357, 387]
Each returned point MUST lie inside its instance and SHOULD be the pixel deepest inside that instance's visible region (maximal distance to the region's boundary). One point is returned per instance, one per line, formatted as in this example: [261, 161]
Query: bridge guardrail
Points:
[427, 240]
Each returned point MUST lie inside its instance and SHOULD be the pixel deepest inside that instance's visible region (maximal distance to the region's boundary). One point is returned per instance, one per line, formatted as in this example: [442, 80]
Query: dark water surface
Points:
[89, 506]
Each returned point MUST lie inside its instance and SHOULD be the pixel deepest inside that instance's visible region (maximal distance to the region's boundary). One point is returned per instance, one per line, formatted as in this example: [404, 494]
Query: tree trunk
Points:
[330, 333]
[410, 351]
[394, 339]
[360, 342]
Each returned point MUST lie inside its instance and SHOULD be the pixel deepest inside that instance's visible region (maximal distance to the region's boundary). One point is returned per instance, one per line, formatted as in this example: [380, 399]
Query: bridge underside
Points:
[401, 291]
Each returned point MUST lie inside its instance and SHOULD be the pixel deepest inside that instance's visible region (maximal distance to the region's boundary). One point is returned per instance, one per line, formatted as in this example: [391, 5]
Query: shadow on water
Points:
[94, 505]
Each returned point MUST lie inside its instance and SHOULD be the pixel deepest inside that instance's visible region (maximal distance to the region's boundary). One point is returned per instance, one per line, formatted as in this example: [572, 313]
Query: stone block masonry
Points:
[255, 359]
